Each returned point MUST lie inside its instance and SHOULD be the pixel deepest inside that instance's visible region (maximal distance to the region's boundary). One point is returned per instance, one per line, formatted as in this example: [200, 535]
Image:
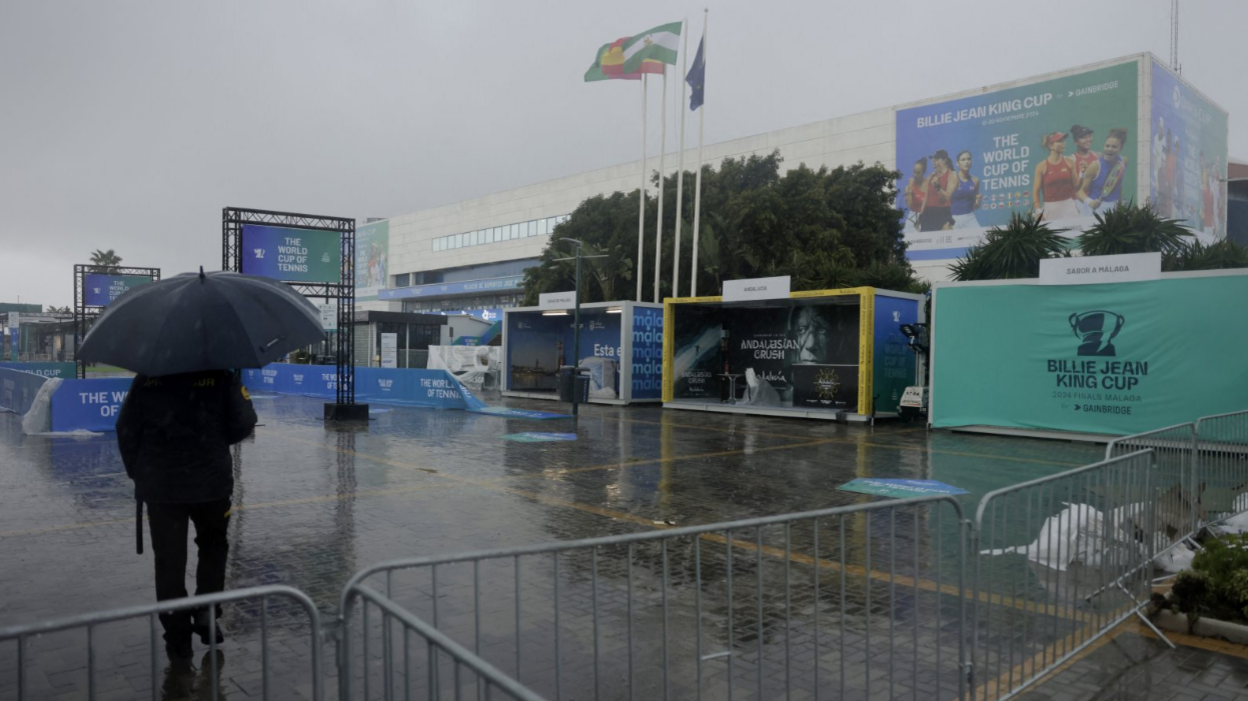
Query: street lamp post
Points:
[576, 325]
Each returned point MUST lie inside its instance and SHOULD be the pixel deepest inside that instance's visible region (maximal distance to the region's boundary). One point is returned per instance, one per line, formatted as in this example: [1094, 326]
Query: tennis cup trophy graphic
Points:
[1096, 331]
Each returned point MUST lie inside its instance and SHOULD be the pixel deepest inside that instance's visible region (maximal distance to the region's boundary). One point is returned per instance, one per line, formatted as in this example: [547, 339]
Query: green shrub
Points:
[1217, 584]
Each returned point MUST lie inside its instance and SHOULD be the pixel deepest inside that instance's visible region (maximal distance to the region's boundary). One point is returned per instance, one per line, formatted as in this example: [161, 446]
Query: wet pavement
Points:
[314, 506]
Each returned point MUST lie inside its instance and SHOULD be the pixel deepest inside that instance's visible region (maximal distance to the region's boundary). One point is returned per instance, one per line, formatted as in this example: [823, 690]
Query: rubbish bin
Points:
[568, 375]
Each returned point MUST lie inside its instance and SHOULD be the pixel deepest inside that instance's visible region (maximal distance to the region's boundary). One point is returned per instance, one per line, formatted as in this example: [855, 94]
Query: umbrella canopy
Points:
[202, 321]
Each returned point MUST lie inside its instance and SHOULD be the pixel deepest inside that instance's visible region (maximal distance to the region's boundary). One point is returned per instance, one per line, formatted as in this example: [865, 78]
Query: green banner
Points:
[1117, 359]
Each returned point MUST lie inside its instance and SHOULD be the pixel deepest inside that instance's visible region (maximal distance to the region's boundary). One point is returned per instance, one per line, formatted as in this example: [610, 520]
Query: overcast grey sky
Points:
[129, 125]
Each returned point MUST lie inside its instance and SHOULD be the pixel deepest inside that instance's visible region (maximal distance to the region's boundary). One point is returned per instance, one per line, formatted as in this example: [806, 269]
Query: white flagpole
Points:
[697, 196]
[680, 160]
[641, 199]
[658, 232]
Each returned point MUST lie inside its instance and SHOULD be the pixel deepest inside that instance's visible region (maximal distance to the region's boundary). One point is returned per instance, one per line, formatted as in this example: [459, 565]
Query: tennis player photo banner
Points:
[1062, 148]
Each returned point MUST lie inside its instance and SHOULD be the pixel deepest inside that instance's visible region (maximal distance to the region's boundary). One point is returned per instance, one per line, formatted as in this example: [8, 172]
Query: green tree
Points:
[824, 228]
[1012, 251]
[103, 260]
[1132, 228]
[53, 309]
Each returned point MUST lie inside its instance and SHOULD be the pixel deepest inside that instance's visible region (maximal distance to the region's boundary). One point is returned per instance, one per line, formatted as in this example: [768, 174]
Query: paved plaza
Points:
[313, 506]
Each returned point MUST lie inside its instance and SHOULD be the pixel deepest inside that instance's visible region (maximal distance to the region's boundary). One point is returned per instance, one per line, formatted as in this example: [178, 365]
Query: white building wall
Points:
[869, 137]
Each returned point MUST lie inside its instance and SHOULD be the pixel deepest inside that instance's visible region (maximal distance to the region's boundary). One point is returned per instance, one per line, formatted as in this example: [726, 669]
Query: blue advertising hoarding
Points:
[291, 255]
[968, 164]
[90, 405]
[1189, 153]
[441, 289]
[647, 353]
[436, 389]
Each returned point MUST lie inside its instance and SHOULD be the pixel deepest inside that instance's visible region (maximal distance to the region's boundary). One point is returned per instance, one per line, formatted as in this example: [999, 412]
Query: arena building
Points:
[975, 156]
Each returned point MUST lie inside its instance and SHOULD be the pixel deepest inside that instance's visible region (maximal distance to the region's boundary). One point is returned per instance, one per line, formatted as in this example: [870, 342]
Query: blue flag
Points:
[696, 78]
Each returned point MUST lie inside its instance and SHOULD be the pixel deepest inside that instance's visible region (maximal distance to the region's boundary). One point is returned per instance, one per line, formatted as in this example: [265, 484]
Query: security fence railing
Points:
[62, 656]
[1222, 453]
[1087, 538]
[866, 600]
[903, 599]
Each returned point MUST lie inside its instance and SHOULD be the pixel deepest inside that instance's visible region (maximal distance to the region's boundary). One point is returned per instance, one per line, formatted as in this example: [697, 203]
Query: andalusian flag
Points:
[658, 44]
[609, 64]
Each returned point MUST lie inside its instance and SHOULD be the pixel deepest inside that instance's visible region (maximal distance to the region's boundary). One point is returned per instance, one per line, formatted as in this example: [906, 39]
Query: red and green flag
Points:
[609, 64]
[628, 58]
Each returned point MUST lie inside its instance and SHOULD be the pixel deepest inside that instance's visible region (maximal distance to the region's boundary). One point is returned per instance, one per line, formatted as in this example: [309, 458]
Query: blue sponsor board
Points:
[436, 389]
[647, 353]
[895, 364]
[440, 289]
[91, 405]
[900, 488]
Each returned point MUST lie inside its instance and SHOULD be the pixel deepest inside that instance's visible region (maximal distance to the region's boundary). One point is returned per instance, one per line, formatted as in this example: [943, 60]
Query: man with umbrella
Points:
[174, 433]
[184, 411]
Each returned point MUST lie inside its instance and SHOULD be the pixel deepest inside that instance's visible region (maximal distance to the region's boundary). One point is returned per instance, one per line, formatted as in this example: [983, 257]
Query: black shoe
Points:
[180, 650]
[200, 625]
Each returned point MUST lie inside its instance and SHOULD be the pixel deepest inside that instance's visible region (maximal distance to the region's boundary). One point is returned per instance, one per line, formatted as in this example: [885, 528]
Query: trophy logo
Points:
[259, 252]
[827, 384]
[1096, 331]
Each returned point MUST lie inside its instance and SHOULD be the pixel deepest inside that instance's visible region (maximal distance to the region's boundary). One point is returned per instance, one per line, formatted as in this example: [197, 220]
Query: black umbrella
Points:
[202, 321]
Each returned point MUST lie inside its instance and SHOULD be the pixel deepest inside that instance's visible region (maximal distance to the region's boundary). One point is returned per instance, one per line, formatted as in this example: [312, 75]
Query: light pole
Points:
[576, 324]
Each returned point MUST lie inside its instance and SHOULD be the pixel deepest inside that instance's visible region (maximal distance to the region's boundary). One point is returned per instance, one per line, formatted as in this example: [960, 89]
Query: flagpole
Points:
[641, 199]
[658, 231]
[680, 159]
[697, 196]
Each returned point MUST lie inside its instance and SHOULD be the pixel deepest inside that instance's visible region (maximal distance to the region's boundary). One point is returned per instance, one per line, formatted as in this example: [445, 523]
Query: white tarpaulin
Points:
[601, 377]
[475, 366]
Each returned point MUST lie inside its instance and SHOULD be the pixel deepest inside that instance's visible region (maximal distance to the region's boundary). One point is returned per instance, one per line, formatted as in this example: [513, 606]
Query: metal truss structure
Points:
[86, 314]
[233, 219]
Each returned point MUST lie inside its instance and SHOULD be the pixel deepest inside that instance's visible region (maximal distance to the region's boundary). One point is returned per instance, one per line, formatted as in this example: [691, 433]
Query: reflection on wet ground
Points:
[314, 506]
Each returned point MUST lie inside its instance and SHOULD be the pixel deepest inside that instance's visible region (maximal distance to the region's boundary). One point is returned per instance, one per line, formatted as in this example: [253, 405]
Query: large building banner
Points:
[372, 254]
[968, 164]
[1189, 157]
[1117, 358]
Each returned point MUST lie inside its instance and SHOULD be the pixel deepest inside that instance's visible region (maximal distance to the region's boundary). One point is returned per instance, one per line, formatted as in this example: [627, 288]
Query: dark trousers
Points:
[167, 524]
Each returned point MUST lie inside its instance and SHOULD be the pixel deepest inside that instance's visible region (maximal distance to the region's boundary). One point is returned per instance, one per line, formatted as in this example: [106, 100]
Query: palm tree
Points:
[103, 260]
[1011, 252]
[1131, 228]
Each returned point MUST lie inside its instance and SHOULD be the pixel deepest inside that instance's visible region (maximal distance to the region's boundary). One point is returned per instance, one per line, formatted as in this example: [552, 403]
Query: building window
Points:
[403, 280]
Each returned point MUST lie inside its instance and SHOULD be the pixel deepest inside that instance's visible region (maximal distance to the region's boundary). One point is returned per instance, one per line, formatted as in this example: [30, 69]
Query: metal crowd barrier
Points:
[1176, 475]
[861, 601]
[1061, 561]
[1222, 445]
[60, 635]
[876, 600]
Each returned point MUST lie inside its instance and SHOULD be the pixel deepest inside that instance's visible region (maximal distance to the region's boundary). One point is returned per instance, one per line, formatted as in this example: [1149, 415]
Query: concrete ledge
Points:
[1204, 627]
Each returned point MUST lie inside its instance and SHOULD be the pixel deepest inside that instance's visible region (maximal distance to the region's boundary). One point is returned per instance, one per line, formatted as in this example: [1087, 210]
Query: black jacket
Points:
[175, 434]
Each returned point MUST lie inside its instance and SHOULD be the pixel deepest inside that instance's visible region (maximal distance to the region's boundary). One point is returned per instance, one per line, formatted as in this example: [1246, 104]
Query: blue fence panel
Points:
[18, 389]
[437, 389]
[90, 405]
